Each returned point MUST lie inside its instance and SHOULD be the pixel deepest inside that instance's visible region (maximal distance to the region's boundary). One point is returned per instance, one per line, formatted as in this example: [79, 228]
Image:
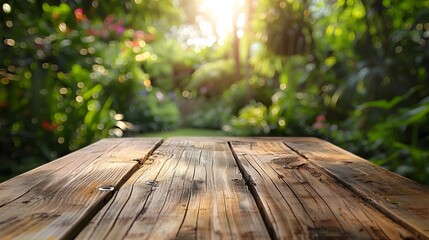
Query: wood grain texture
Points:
[56, 199]
[191, 187]
[299, 201]
[248, 139]
[403, 200]
[187, 190]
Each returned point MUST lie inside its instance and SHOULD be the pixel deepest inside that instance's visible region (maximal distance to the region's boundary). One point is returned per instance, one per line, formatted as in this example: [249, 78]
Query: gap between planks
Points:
[270, 219]
[251, 185]
[96, 209]
[194, 198]
[366, 193]
[26, 211]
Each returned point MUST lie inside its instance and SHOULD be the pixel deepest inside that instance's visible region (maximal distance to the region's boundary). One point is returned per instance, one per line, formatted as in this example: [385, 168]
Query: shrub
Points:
[212, 78]
[153, 111]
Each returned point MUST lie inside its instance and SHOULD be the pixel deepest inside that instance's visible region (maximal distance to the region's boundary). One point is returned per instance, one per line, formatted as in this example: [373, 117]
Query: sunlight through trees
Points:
[354, 72]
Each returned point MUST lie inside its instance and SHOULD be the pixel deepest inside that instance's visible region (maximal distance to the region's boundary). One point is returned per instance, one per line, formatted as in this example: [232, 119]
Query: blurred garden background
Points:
[353, 72]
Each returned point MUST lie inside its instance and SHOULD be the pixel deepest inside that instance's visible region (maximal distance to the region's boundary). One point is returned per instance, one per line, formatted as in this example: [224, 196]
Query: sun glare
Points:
[223, 13]
[216, 22]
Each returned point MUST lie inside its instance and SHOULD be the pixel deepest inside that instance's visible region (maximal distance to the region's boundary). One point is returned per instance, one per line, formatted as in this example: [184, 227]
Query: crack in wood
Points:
[208, 188]
[251, 186]
[354, 176]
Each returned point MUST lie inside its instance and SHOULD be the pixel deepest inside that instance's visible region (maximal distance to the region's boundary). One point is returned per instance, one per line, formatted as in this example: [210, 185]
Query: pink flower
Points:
[320, 121]
[139, 34]
[318, 125]
[119, 29]
[109, 19]
[78, 13]
[320, 118]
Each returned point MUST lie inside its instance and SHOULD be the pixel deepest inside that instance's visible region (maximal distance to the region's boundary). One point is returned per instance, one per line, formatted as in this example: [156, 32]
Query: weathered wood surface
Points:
[187, 190]
[213, 188]
[302, 202]
[401, 199]
[55, 200]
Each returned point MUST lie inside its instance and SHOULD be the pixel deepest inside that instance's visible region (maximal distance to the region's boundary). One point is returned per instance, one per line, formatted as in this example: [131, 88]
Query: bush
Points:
[67, 75]
[284, 117]
[251, 120]
[241, 93]
[212, 78]
[210, 114]
[153, 111]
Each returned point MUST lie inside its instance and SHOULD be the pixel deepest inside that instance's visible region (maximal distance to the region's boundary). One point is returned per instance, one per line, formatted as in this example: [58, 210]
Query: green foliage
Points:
[174, 65]
[212, 78]
[362, 84]
[69, 72]
[210, 114]
[292, 109]
[354, 72]
[285, 27]
[403, 138]
[281, 117]
[181, 132]
[385, 89]
[152, 111]
[251, 120]
[239, 94]
[214, 113]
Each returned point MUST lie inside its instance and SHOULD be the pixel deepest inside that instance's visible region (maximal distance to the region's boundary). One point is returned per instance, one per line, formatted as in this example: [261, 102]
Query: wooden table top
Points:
[212, 188]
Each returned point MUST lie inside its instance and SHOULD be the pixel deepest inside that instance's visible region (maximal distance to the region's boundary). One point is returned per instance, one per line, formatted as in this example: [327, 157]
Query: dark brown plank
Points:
[403, 200]
[56, 199]
[301, 202]
[187, 190]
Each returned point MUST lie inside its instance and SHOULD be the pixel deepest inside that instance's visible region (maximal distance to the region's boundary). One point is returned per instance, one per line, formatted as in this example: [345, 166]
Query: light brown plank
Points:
[248, 139]
[401, 199]
[188, 190]
[302, 202]
[56, 199]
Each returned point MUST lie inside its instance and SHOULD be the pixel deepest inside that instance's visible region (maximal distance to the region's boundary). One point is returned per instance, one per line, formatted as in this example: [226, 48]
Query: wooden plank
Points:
[300, 201]
[248, 139]
[403, 200]
[56, 199]
[188, 190]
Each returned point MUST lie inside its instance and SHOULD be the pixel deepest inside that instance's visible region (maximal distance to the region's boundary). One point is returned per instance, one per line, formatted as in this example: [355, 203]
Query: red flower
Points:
[135, 43]
[48, 126]
[91, 32]
[320, 118]
[4, 104]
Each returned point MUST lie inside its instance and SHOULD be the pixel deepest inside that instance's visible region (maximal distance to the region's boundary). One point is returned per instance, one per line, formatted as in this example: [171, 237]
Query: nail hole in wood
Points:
[153, 184]
[106, 188]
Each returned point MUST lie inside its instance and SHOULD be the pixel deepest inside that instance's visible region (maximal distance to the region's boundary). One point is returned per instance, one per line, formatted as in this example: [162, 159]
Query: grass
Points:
[185, 132]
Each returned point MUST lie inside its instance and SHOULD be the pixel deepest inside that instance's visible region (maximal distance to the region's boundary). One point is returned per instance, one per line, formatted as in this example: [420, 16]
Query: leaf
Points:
[387, 104]
[417, 115]
[88, 94]
[384, 104]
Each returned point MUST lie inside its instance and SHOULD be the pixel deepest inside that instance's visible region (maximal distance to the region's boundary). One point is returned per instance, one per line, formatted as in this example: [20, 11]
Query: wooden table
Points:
[229, 188]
